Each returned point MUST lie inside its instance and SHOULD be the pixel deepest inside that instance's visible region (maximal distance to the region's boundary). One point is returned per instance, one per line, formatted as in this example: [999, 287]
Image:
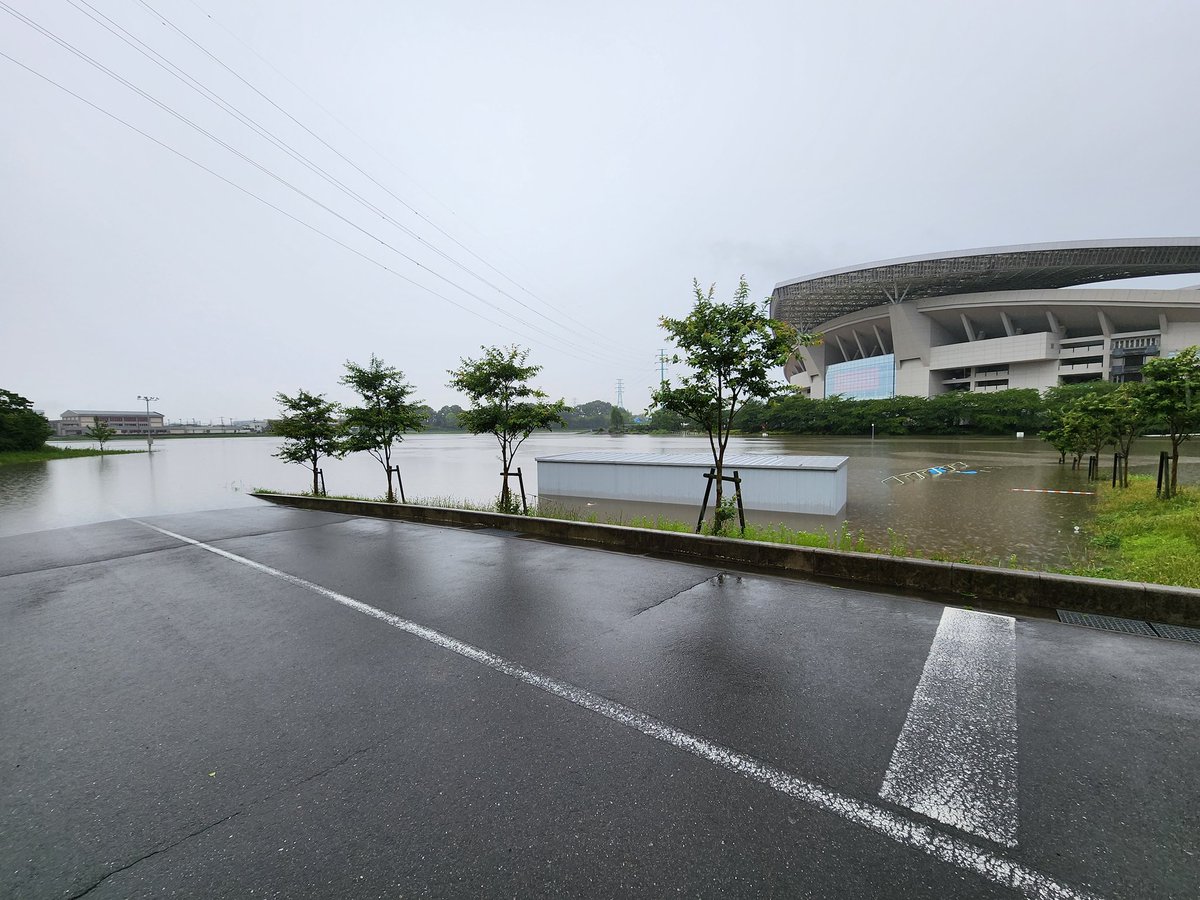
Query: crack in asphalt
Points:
[233, 815]
[678, 593]
[155, 852]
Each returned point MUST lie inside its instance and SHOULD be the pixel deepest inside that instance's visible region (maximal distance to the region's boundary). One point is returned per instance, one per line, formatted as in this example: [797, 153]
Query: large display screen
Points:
[873, 378]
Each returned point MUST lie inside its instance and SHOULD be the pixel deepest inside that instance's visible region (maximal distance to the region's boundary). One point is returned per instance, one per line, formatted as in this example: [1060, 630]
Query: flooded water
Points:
[985, 511]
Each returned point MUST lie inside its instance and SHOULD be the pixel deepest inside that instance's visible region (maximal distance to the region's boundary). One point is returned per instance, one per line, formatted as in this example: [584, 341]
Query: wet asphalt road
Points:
[178, 723]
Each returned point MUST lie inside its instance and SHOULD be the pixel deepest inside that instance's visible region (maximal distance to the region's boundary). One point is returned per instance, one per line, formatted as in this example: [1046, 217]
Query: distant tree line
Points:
[595, 415]
[20, 427]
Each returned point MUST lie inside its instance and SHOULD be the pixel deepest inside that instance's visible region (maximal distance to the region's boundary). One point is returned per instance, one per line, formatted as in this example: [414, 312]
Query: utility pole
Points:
[621, 393]
[149, 429]
[662, 366]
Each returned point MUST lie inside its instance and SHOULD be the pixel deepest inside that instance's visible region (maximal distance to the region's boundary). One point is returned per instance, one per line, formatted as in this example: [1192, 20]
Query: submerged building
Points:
[990, 319]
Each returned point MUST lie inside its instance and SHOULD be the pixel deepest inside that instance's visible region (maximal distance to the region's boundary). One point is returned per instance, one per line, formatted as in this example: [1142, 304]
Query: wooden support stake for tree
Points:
[710, 475]
[504, 492]
[737, 489]
[399, 480]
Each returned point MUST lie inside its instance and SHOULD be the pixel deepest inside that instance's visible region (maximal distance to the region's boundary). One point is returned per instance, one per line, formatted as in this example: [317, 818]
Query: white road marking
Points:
[909, 833]
[956, 758]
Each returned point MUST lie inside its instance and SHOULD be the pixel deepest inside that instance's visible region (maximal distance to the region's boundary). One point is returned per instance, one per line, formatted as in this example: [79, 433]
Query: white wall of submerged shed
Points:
[808, 485]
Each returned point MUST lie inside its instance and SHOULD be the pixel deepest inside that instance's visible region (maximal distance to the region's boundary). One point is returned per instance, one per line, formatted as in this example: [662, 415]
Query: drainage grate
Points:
[1108, 623]
[1177, 632]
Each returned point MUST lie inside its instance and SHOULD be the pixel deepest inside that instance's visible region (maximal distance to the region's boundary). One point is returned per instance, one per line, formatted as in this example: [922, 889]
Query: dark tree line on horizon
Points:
[20, 427]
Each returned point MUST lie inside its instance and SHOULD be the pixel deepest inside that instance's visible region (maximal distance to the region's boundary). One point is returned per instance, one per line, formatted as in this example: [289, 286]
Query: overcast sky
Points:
[544, 173]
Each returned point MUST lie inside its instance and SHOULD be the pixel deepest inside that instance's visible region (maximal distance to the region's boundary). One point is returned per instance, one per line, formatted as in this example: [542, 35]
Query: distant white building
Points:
[991, 319]
[122, 421]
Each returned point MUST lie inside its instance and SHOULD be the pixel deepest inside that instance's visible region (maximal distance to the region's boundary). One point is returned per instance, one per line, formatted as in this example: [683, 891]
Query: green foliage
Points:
[731, 350]
[1128, 418]
[1056, 400]
[954, 412]
[101, 433]
[1171, 395]
[666, 420]
[446, 417]
[385, 415]
[310, 430]
[503, 403]
[1086, 418]
[724, 514]
[20, 427]
[1137, 537]
[1089, 422]
[616, 419]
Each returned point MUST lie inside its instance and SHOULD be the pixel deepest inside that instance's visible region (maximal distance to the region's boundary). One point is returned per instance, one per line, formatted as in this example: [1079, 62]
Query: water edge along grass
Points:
[1136, 536]
[19, 457]
[844, 537]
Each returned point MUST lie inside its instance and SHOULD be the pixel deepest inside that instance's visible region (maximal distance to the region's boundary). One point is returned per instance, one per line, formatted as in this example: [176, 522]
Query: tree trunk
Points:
[391, 497]
[720, 490]
[316, 489]
[1174, 467]
[504, 487]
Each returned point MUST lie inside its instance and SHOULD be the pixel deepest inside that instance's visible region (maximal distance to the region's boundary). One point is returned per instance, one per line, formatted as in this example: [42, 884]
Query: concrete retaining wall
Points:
[953, 582]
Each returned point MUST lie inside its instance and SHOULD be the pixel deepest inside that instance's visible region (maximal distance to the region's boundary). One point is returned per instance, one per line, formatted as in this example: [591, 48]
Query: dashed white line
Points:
[916, 835]
[956, 758]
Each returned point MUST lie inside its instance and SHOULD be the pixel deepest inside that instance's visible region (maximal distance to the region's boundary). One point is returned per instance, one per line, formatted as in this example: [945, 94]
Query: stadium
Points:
[990, 319]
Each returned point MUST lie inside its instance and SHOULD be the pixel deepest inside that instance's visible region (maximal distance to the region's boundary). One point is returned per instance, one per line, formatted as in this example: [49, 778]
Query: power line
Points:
[250, 193]
[212, 97]
[170, 24]
[225, 145]
[368, 145]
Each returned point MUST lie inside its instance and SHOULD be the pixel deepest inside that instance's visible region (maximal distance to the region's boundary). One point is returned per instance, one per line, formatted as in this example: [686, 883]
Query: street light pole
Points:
[149, 430]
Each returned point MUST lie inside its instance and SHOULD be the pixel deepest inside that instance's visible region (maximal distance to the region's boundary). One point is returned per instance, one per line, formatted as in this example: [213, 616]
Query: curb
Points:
[959, 582]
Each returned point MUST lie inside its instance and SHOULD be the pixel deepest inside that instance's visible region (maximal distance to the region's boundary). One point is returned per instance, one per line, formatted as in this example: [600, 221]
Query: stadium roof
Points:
[813, 299]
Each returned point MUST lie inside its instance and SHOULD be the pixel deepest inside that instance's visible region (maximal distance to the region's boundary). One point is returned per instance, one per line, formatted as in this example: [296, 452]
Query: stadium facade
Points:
[990, 319]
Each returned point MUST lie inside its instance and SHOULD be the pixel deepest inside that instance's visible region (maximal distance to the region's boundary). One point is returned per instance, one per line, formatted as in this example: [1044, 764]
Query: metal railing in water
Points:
[922, 474]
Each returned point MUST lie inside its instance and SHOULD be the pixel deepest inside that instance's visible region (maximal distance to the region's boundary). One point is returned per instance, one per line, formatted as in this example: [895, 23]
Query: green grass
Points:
[1135, 536]
[843, 538]
[18, 457]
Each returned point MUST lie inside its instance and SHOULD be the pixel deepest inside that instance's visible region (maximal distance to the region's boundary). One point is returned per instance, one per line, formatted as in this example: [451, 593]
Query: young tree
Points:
[731, 350]
[503, 403]
[1171, 391]
[310, 430]
[1090, 418]
[1127, 415]
[385, 415]
[101, 433]
[616, 420]
[20, 427]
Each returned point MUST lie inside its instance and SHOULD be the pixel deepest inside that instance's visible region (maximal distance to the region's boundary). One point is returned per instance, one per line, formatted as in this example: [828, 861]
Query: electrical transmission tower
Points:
[662, 366]
[621, 393]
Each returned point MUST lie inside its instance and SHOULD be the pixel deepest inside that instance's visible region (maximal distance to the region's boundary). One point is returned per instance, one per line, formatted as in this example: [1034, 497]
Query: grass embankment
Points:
[16, 457]
[842, 538]
[1135, 536]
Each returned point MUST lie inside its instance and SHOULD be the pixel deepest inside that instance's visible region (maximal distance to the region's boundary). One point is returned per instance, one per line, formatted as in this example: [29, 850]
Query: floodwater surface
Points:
[990, 510]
